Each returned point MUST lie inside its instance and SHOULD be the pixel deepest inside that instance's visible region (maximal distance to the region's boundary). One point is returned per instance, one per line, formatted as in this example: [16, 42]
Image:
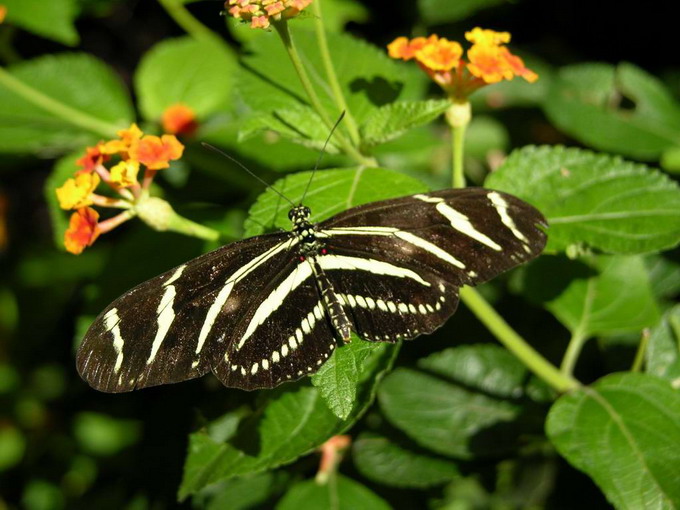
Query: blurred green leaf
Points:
[101, 434]
[616, 299]
[663, 349]
[483, 135]
[12, 446]
[340, 493]
[465, 403]
[670, 160]
[42, 495]
[48, 381]
[394, 119]
[368, 78]
[76, 80]
[53, 20]
[197, 73]
[436, 12]
[623, 432]
[664, 276]
[332, 191]
[293, 421]
[9, 378]
[590, 103]
[386, 462]
[337, 379]
[337, 13]
[602, 201]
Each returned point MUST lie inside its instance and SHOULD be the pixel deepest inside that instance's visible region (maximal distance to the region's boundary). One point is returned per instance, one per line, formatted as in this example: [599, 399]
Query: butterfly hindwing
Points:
[284, 337]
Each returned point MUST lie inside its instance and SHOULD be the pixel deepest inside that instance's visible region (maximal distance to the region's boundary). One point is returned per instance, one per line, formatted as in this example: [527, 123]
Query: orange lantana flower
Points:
[82, 231]
[156, 153]
[3, 13]
[93, 157]
[261, 13]
[77, 192]
[488, 60]
[179, 119]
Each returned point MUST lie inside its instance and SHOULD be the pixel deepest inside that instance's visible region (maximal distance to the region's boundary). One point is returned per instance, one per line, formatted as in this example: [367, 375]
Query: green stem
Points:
[515, 343]
[64, 112]
[340, 101]
[187, 227]
[641, 350]
[179, 13]
[289, 44]
[458, 117]
[576, 343]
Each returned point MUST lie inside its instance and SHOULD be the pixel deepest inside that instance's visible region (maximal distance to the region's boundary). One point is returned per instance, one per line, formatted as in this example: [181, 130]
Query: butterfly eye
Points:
[307, 211]
[291, 214]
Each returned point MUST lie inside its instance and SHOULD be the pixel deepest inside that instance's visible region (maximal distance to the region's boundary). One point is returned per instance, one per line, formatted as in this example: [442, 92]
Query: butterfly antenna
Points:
[321, 153]
[219, 151]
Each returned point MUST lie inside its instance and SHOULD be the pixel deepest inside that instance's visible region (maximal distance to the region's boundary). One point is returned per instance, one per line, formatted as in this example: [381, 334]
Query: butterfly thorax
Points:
[304, 231]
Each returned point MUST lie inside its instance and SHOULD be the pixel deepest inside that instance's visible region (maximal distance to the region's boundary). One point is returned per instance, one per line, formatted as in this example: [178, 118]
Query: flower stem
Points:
[185, 226]
[576, 343]
[56, 108]
[458, 117]
[289, 44]
[340, 101]
[179, 13]
[516, 344]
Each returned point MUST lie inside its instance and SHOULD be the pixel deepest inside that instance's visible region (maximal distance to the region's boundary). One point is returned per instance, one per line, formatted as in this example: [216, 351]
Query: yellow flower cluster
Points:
[132, 148]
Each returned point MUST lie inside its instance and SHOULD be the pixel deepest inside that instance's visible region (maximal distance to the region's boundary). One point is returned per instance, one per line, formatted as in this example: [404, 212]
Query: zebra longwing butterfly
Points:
[272, 308]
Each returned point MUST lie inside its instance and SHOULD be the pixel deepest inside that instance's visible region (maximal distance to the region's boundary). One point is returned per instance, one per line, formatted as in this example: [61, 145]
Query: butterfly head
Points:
[299, 214]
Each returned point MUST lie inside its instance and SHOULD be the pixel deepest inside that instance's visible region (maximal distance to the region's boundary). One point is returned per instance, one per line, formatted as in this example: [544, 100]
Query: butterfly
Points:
[273, 308]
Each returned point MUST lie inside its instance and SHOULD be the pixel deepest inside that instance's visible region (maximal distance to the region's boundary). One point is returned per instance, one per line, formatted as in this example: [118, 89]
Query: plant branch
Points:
[57, 108]
[289, 44]
[576, 343]
[181, 15]
[531, 358]
[340, 101]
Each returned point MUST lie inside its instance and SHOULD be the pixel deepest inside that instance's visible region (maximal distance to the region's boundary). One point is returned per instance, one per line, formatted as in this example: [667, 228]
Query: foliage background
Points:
[63, 445]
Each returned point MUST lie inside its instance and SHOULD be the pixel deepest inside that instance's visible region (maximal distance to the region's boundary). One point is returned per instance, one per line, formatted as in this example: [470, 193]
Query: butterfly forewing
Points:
[272, 308]
[159, 332]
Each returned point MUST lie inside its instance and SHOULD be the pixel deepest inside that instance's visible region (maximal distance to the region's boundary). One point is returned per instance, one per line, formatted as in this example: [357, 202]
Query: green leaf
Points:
[340, 493]
[241, 493]
[588, 102]
[435, 12]
[664, 276]
[663, 349]
[394, 119]
[337, 13]
[101, 434]
[12, 446]
[385, 462]
[197, 73]
[623, 432]
[467, 402]
[484, 135]
[53, 20]
[616, 299]
[293, 421]
[603, 201]
[368, 79]
[337, 379]
[331, 192]
[76, 80]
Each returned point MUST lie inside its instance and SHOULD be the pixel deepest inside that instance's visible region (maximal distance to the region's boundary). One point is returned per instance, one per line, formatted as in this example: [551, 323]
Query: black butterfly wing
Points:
[435, 243]
[284, 336]
[164, 330]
